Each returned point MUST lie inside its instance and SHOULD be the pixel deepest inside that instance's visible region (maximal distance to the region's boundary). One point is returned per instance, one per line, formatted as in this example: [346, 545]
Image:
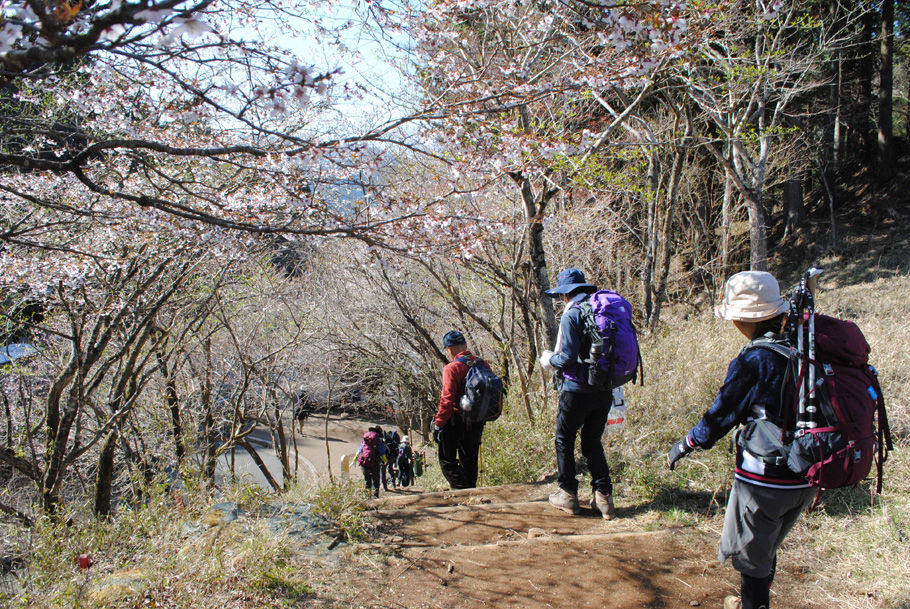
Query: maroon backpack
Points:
[369, 450]
[841, 449]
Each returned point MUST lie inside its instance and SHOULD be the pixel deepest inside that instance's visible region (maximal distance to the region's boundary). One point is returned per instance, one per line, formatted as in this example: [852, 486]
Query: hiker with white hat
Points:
[767, 497]
[405, 462]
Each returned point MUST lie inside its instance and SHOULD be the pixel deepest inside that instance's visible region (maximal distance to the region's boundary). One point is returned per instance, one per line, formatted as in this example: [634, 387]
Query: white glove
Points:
[545, 361]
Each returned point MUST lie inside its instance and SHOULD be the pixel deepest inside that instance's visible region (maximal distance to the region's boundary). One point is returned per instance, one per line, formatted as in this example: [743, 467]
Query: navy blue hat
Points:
[569, 280]
[452, 338]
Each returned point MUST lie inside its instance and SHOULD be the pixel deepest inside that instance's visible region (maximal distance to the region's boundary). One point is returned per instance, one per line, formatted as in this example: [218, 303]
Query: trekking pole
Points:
[810, 280]
[795, 329]
[805, 347]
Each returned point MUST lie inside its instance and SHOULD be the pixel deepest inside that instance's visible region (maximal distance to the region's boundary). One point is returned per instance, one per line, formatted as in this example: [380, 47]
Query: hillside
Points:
[502, 545]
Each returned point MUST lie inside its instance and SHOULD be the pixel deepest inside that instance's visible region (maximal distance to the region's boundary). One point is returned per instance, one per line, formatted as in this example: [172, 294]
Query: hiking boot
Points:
[565, 501]
[733, 602]
[603, 503]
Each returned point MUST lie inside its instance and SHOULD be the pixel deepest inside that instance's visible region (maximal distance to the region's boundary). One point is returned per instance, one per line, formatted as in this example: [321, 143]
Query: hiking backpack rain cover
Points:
[614, 357]
[483, 392]
[841, 449]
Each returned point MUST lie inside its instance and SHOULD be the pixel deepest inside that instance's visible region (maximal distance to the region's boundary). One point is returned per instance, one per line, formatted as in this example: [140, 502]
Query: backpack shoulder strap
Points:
[469, 361]
[764, 342]
[782, 348]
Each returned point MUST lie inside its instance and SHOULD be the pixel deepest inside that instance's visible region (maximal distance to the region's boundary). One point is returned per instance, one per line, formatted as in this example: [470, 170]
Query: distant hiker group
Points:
[801, 389]
[386, 458]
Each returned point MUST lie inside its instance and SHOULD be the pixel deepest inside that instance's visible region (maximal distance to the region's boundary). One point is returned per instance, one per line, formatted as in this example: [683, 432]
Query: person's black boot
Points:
[755, 592]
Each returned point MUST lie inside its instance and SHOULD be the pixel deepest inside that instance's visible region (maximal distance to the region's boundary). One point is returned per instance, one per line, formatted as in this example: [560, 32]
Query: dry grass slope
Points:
[853, 552]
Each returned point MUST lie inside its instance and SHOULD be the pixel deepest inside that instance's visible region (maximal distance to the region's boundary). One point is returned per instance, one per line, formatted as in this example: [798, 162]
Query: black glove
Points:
[679, 450]
[437, 433]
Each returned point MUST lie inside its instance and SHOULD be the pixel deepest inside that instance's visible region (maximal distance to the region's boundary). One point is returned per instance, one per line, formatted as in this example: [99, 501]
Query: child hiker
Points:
[766, 498]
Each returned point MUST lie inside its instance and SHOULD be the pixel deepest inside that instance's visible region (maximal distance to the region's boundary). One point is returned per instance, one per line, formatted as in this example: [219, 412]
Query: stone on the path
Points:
[220, 514]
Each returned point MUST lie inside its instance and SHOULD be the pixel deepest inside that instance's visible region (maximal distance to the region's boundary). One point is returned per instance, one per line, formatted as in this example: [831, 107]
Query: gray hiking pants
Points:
[756, 522]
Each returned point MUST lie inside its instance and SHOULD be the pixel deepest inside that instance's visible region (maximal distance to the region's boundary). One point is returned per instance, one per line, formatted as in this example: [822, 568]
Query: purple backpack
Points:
[613, 358]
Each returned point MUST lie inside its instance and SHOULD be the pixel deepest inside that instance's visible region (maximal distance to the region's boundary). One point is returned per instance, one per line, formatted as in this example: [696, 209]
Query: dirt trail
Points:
[505, 547]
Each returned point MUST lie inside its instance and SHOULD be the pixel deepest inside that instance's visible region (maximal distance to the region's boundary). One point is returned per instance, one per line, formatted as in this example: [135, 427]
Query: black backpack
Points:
[483, 392]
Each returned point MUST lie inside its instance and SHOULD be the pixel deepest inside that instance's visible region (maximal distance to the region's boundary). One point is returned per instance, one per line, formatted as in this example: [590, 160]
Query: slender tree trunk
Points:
[539, 275]
[328, 450]
[866, 69]
[526, 399]
[245, 444]
[885, 98]
[281, 444]
[793, 203]
[172, 402]
[758, 235]
[726, 222]
[104, 479]
[837, 119]
[209, 460]
[907, 106]
[647, 275]
[56, 463]
[665, 236]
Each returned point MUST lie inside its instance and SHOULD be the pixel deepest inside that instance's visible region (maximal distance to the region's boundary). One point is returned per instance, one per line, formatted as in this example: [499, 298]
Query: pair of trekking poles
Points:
[801, 335]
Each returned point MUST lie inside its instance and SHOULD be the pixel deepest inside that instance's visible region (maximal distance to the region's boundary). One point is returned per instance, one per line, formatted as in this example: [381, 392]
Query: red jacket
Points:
[453, 376]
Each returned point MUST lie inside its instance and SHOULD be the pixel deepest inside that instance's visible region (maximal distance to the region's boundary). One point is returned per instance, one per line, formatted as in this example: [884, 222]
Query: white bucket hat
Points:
[406, 440]
[751, 296]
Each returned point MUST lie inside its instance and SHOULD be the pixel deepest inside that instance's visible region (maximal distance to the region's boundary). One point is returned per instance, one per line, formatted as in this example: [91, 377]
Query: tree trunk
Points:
[208, 432]
[665, 235]
[245, 444]
[328, 449]
[539, 276]
[793, 203]
[281, 444]
[726, 221]
[866, 69]
[758, 235]
[105, 478]
[172, 402]
[907, 107]
[885, 98]
[647, 275]
[836, 127]
[56, 463]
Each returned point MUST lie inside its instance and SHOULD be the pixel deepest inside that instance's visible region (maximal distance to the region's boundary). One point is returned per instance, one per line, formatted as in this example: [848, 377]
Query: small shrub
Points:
[515, 450]
[344, 505]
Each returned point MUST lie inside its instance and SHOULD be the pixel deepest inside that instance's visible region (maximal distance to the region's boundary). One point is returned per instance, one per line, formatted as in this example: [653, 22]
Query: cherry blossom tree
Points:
[518, 85]
[185, 108]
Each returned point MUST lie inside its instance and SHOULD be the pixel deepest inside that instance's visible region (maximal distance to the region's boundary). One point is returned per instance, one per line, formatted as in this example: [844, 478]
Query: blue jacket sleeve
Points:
[571, 332]
[733, 405]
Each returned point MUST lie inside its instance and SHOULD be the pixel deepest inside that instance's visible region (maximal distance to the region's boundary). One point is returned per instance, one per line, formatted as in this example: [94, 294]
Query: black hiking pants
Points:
[459, 451]
[371, 478]
[587, 413]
